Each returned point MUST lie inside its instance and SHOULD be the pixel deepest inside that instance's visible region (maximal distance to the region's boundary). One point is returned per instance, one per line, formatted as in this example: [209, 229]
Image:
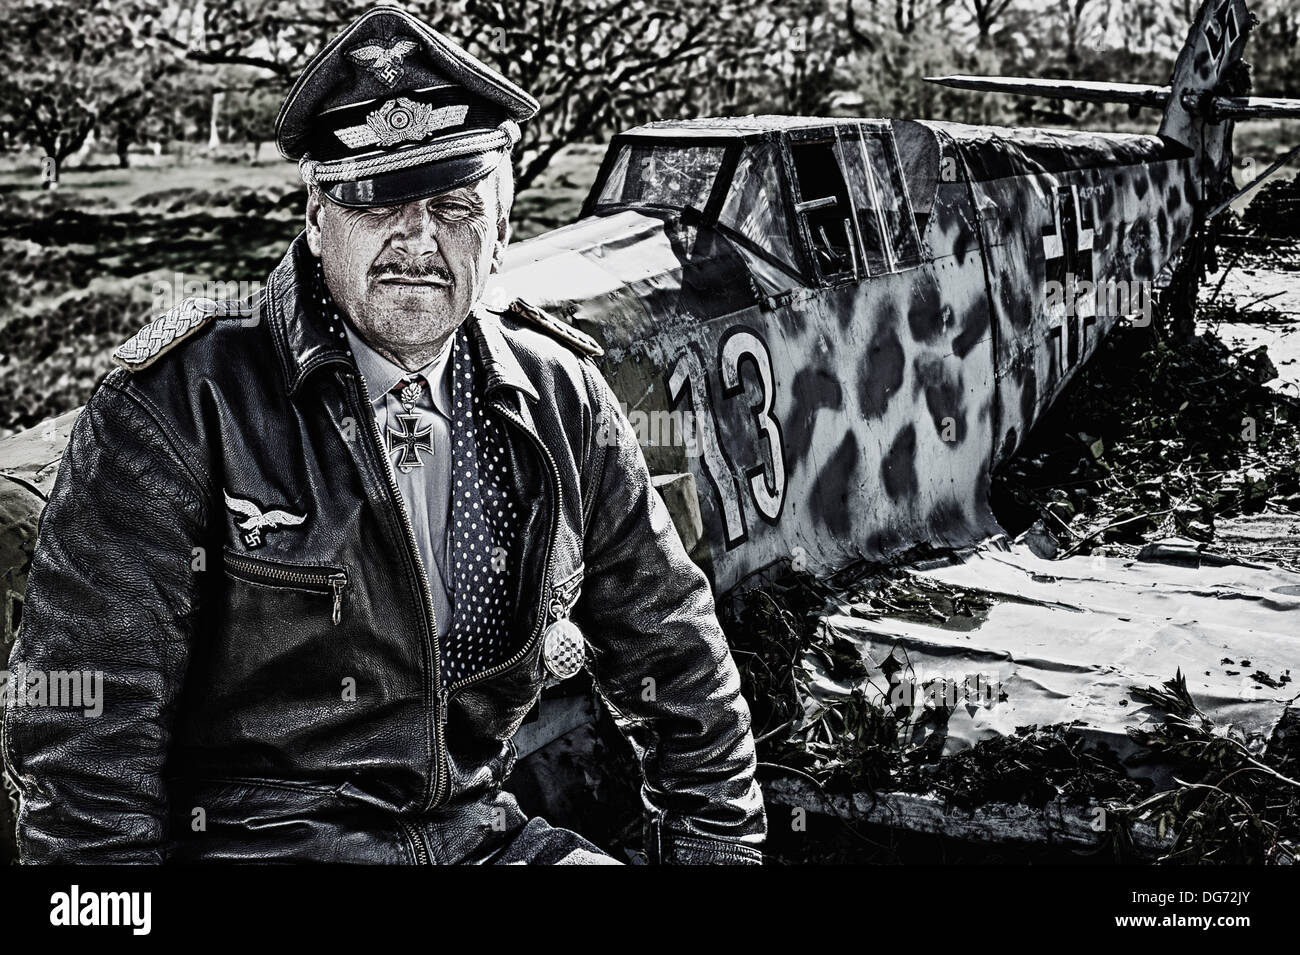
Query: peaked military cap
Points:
[391, 110]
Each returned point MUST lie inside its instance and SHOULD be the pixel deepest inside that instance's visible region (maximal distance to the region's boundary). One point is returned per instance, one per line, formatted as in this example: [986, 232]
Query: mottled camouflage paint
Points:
[1205, 67]
[1109, 209]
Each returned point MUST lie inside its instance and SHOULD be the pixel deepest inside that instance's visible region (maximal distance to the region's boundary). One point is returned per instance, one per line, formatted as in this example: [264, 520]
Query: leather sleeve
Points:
[112, 595]
[660, 661]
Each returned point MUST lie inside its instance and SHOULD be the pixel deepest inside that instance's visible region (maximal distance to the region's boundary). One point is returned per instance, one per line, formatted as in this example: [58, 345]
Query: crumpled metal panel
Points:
[1069, 639]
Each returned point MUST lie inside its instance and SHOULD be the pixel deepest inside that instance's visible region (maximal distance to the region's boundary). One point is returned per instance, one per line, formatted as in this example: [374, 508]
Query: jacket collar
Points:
[305, 342]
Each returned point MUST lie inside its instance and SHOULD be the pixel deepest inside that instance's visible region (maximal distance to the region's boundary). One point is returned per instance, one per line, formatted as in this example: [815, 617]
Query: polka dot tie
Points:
[485, 520]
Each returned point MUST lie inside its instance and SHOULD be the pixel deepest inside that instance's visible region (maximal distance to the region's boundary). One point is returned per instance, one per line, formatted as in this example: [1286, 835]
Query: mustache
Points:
[410, 269]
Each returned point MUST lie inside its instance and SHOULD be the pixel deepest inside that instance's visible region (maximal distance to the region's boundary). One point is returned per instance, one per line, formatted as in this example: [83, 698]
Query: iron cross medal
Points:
[409, 437]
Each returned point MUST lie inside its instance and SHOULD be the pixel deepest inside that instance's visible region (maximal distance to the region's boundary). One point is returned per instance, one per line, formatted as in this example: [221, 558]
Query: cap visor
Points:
[418, 182]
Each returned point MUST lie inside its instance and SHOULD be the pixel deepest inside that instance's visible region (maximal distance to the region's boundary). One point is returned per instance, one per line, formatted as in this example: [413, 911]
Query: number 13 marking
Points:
[767, 481]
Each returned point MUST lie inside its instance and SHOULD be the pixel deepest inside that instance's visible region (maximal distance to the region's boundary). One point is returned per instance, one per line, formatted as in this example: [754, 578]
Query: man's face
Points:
[408, 275]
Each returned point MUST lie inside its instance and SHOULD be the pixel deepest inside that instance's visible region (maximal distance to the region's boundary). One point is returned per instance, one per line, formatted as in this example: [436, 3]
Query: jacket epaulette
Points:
[180, 322]
[579, 341]
[164, 333]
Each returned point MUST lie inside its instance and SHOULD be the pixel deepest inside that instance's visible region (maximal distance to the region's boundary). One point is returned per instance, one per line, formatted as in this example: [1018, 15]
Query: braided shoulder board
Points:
[577, 340]
[165, 332]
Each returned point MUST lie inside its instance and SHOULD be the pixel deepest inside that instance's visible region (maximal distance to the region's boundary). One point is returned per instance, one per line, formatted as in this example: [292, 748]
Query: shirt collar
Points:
[382, 375]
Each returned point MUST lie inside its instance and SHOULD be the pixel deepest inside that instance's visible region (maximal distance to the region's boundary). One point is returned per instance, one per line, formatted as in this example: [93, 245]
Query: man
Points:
[327, 548]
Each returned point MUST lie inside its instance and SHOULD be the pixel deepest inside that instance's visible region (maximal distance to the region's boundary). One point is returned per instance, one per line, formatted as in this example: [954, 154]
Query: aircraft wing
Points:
[1255, 107]
[1069, 639]
[1043, 642]
[1133, 94]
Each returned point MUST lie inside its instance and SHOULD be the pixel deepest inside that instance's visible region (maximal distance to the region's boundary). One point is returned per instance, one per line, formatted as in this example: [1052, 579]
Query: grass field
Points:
[105, 183]
[152, 180]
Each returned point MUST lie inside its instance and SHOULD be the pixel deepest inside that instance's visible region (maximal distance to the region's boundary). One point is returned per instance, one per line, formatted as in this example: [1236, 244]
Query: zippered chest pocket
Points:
[328, 581]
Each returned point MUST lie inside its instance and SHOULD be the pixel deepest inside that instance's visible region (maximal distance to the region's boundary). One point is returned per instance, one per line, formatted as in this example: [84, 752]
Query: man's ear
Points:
[315, 208]
[503, 239]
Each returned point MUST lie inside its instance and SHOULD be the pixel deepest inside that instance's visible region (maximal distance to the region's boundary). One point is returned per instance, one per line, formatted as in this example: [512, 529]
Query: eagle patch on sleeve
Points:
[165, 332]
[575, 339]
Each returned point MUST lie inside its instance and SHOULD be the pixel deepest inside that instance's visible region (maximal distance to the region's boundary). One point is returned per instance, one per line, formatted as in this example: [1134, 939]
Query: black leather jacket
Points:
[281, 703]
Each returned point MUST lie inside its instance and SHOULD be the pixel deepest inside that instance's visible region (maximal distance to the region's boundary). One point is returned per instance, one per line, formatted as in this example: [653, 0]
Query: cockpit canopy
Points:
[804, 202]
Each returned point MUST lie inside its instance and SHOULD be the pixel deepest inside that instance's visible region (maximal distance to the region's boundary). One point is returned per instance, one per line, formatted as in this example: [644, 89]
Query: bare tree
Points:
[1082, 20]
[986, 14]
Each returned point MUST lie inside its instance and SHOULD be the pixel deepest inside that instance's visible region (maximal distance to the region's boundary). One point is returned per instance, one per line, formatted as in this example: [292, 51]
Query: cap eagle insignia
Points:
[384, 62]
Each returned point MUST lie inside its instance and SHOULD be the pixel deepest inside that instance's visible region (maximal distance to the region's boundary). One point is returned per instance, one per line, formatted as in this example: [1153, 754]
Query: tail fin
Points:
[1207, 67]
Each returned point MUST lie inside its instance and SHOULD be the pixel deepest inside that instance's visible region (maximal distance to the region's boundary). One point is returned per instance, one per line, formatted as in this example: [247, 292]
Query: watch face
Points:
[563, 649]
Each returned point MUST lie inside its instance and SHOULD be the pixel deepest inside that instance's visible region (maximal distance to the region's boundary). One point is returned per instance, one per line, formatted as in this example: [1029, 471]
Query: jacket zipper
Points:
[417, 840]
[550, 540]
[325, 580]
[440, 772]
